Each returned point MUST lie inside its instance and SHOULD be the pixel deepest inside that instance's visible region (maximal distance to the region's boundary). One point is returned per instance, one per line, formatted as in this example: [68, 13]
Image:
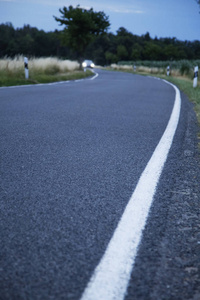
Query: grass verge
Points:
[186, 86]
[11, 80]
[41, 70]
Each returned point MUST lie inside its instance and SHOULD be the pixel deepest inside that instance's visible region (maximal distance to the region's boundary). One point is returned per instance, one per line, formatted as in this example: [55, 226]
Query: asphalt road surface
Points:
[71, 157]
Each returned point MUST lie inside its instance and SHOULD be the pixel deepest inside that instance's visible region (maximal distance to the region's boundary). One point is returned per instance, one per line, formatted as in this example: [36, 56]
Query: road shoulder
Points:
[168, 262]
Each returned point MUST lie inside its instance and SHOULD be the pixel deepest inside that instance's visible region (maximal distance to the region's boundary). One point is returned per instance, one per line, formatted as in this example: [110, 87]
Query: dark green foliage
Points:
[81, 27]
[185, 67]
[102, 49]
[29, 41]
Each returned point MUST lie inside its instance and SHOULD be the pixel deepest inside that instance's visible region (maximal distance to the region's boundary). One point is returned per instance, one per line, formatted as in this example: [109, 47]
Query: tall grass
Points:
[40, 70]
[178, 68]
[51, 65]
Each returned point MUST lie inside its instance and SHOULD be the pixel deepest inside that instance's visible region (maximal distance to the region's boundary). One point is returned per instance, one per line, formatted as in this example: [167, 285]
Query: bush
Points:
[185, 68]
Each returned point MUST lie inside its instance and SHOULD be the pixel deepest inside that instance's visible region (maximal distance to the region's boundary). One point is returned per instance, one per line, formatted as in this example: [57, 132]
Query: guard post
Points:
[168, 70]
[26, 67]
[195, 80]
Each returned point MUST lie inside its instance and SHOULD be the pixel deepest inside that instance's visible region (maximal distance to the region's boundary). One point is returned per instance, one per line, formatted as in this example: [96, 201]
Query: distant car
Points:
[88, 64]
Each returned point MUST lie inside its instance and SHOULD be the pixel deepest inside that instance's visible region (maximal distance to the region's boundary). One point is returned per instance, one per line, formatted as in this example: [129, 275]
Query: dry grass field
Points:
[41, 70]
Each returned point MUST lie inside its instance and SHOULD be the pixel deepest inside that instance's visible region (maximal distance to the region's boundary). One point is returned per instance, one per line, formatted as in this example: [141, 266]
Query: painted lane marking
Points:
[96, 75]
[32, 85]
[50, 83]
[111, 277]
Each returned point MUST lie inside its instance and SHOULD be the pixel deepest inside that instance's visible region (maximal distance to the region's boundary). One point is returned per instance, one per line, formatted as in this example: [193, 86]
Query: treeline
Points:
[104, 50]
[29, 41]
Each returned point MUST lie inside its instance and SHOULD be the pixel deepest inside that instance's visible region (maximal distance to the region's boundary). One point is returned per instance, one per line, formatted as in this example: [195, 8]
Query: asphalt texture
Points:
[71, 156]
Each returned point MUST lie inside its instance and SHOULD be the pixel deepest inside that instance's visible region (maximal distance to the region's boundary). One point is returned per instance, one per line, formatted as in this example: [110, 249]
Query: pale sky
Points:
[161, 18]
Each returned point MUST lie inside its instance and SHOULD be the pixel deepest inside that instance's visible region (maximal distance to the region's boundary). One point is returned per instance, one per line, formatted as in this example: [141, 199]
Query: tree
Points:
[81, 27]
[110, 58]
[7, 43]
[103, 49]
[198, 1]
[136, 52]
[122, 53]
[147, 37]
[171, 52]
[152, 51]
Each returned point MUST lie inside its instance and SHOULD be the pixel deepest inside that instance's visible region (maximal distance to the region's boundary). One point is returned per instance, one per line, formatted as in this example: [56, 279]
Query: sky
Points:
[161, 18]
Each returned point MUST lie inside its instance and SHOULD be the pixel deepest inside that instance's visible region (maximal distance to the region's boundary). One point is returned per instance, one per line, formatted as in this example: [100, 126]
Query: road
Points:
[71, 157]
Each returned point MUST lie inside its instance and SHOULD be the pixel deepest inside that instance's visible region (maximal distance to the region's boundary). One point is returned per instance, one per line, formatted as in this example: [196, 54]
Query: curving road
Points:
[71, 157]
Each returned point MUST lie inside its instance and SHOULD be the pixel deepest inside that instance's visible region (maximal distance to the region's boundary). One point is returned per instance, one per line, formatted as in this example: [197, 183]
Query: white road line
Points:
[111, 277]
[96, 75]
[50, 83]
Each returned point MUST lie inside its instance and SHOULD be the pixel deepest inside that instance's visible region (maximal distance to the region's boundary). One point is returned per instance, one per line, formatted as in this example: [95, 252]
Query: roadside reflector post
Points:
[196, 69]
[26, 67]
[168, 70]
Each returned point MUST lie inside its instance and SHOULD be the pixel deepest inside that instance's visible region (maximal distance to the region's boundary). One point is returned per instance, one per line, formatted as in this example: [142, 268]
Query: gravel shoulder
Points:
[168, 263]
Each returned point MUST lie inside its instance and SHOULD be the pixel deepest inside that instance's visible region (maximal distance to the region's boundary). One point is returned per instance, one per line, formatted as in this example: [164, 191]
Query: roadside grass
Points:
[186, 86]
[41, 70]
[182, 67]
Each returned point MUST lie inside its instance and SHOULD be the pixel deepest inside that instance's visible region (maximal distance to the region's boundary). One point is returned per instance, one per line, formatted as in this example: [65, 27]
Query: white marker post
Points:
[26, 67]
[168, 70]
[196, 69]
